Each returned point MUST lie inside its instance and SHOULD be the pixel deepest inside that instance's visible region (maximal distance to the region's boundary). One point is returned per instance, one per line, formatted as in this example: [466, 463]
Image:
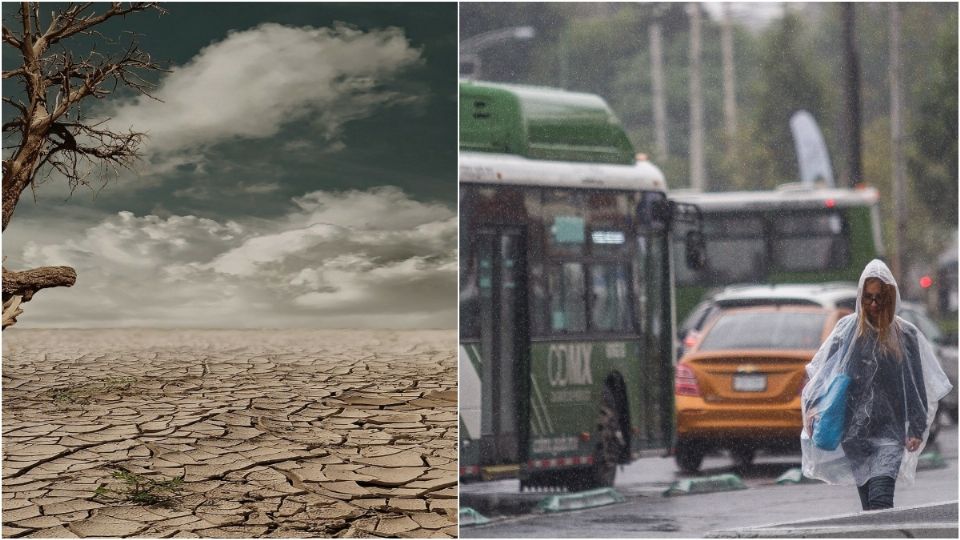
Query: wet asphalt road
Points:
[647, 514]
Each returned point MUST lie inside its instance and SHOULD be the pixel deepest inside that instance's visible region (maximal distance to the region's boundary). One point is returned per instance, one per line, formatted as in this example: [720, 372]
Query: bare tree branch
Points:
[20, 106]
[28, 282]
[19, 287]
[10, 39]
[73, 22]
[14, 73]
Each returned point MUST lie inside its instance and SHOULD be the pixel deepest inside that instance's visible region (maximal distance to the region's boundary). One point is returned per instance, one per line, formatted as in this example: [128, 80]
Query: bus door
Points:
[503, 343]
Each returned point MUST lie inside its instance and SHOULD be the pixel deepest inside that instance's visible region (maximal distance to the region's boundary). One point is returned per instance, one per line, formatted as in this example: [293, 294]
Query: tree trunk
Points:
[18, 172]
[896, 147]
[729, 88]
[659, 99]
[851, 92]
[697, 170]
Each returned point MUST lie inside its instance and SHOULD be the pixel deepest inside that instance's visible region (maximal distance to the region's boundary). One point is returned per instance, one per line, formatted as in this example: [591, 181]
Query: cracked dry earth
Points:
[274, 433]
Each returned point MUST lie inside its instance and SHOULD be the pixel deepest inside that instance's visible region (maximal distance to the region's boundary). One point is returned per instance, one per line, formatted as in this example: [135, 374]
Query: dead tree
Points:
[50, 137]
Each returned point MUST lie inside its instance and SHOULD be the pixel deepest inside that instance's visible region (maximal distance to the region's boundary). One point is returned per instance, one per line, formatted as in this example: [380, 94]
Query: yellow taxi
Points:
[739, 387]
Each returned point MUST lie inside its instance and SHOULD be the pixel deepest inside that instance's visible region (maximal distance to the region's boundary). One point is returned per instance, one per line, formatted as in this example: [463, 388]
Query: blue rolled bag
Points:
[832, 403]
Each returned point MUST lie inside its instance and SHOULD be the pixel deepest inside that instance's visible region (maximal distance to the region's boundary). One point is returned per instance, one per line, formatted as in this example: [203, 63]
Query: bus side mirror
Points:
[661, 211]
[654, 212]
[696, 250]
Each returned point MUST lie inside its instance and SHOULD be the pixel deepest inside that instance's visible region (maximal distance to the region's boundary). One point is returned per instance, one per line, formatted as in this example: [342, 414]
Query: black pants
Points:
[877, 493]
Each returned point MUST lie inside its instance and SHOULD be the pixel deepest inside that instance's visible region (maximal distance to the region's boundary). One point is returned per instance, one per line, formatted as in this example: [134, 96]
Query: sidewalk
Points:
[938, 520]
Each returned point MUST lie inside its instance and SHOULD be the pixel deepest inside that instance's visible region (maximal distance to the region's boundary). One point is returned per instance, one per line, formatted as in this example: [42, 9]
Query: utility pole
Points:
[564, 62]
[697, 172]
[659, 98]
[729, 88]
[896, 143]
[851, 93]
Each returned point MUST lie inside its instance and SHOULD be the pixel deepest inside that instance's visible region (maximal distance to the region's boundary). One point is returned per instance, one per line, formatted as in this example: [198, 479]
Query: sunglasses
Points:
[871, 298]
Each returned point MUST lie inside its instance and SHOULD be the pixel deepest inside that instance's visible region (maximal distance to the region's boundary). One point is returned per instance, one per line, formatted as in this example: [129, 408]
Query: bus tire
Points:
[689, 456]
[610, 444]
[743, 456]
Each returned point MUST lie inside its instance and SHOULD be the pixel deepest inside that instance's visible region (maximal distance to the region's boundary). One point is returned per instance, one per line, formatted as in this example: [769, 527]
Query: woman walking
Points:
[892, 382]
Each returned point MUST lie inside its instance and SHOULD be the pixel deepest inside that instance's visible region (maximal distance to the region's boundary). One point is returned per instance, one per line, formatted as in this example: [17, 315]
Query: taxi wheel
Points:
[689, 456]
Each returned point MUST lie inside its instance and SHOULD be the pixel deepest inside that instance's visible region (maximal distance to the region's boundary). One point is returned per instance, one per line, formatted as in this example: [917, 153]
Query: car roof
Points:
[800, 308]
[820, 294]
[916, 306]
[795, 308]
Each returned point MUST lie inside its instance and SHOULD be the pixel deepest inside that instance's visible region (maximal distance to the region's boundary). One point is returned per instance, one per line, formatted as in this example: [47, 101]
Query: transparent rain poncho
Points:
[888, 399]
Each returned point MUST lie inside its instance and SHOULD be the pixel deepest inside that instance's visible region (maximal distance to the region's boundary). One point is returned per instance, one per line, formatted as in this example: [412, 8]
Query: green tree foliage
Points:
[788, 85]
[933, 162]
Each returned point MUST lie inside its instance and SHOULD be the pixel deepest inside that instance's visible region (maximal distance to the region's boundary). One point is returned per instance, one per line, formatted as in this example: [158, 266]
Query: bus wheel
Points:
[610, 444]
[689, 456]
[743, 456]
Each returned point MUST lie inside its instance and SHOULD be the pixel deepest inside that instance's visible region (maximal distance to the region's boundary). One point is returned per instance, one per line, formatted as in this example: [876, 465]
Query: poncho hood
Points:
[877, 269]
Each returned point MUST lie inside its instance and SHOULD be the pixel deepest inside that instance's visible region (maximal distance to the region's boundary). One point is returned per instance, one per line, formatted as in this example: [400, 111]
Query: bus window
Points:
[609, 222]
[810, 241]
[469, 295]
[567, 309]
[538, 300]
[469, 271]
[610, 311]
[565, 222]
[736, 250]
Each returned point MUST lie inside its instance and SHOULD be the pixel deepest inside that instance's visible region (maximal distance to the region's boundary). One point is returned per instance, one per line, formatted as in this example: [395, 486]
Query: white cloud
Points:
[313, 147]
[319, 266]
[253, 82]
[202, 191]
[260, 250]
[382, 208]
[259, 188]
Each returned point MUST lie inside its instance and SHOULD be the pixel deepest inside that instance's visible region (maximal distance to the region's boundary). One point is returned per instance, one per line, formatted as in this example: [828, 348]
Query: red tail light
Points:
[691, 339]
[685, 382]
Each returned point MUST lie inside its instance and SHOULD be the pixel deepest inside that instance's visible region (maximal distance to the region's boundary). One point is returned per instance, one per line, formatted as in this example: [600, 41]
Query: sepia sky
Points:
[300, 171]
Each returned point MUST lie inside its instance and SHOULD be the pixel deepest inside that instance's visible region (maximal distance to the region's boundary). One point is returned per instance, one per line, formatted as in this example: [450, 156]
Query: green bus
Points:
[566, 297]
[794, 234]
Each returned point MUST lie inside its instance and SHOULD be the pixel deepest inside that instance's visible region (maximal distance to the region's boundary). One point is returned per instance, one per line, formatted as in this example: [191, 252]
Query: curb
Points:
[931, 460]
[933, 520]
[469, 517]
[906, 530]
[794, 476]
[581, 500]
[709, 484]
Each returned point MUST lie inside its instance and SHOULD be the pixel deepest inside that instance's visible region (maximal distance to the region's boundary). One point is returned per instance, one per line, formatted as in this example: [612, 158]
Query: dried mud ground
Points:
[234, 433]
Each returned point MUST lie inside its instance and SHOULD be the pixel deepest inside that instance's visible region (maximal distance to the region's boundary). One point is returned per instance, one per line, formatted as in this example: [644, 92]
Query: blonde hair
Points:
[888, 335]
